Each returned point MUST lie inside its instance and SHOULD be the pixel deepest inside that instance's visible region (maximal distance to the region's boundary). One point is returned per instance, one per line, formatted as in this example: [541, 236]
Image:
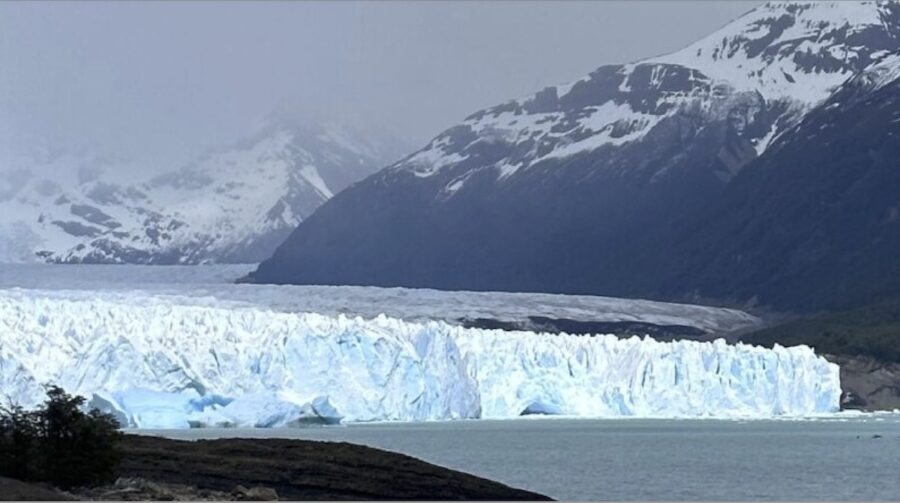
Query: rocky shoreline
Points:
[268, 469]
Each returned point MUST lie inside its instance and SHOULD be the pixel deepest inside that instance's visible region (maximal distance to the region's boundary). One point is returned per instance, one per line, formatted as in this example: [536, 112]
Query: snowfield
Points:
[167, 361]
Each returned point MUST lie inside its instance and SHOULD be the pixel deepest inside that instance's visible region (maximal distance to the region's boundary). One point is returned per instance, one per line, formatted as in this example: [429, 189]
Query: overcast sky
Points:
[163, 81]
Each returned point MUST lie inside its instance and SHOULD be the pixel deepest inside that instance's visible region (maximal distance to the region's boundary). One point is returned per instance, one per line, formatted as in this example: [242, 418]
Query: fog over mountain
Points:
[158, 83]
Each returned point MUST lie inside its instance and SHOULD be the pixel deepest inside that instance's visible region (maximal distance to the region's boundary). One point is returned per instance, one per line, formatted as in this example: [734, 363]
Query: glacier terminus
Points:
[159, 361]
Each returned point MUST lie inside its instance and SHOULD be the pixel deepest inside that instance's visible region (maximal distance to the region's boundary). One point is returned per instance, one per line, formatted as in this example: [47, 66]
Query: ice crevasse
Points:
[156, 363]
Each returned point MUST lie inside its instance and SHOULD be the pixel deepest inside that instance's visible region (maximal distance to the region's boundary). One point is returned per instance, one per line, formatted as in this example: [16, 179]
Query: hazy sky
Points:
[162, 81]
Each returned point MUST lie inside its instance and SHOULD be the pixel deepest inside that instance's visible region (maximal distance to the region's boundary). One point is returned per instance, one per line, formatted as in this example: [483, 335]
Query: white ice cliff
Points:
[157, 363]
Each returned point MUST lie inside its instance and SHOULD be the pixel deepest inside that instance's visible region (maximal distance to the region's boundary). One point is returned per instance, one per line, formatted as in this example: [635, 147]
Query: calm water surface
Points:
[826, 459]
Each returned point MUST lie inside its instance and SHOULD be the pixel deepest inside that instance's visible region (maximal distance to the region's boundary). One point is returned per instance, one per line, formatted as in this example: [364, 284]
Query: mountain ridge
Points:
[567, 190]
[812, 225]
[234, 204]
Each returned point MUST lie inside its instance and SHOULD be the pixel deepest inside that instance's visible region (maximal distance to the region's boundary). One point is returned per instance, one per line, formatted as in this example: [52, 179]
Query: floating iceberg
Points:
[157, 363]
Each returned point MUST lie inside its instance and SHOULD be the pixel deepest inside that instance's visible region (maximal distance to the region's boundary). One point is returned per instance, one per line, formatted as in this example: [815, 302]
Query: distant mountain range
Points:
[232, 205]
[757, 165]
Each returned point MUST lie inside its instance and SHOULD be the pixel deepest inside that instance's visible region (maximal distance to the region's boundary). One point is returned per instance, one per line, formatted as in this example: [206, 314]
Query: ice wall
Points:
[157, 363]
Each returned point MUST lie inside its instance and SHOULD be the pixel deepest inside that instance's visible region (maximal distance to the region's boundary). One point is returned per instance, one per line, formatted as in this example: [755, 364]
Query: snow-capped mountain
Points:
[799, 51]
[565, 190]
[231, 205]
[761, 72]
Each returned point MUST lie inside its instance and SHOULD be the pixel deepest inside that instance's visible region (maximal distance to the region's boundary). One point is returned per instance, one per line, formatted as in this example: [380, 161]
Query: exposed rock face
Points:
[868, 383]
[138, 489]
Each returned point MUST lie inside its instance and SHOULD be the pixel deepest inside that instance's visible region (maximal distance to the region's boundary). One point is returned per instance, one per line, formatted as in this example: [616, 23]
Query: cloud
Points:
[160, 82]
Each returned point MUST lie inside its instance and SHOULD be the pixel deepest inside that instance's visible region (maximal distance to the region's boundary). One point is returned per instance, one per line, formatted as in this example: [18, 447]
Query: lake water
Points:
[636, 459]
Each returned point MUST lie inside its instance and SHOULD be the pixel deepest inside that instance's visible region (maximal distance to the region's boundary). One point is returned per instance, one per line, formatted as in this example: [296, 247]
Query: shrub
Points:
[18, 443]
[59, 442]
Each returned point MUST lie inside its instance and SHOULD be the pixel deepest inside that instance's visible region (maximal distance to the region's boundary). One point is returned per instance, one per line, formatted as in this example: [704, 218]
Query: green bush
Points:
[59, 442]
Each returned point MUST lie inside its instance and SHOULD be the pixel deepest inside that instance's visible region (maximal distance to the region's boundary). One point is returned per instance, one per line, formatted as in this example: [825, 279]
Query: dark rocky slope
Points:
[304, 470]
[15, 490]
[253, 469]
[868, 383]
[813, 224]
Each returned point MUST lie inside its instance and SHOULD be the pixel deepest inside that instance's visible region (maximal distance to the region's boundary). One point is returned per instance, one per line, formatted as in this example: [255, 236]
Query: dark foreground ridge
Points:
[248, 469]
[300, 469]
[15, 490]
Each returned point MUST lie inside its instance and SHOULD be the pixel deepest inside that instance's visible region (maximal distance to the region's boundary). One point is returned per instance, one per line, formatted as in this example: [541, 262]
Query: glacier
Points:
[156, 362]
[215, 285]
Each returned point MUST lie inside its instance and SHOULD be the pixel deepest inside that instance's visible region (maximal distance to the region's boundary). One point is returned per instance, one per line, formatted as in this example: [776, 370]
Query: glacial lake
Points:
[835, 458]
